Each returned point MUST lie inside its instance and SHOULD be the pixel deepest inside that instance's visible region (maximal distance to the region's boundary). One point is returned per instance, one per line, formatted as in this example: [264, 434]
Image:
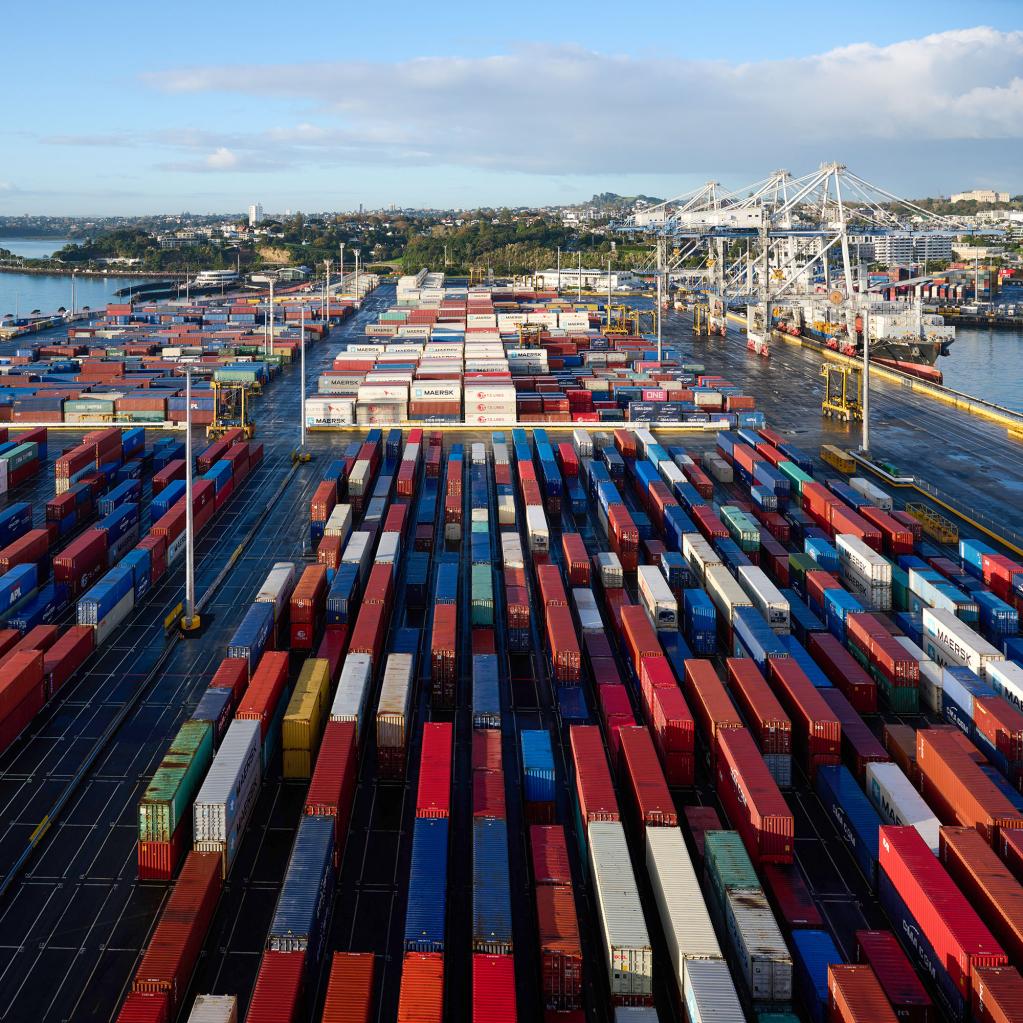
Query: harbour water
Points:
[21, 293]
[33, 248]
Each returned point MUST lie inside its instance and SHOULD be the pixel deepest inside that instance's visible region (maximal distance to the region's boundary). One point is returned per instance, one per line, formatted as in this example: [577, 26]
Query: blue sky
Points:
[137, 108]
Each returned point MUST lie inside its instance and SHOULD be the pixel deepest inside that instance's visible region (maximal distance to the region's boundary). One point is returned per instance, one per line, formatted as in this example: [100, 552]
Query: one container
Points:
[491, 897]
[881, 951]
[349, 996]
[709, 993]
[856, 996]
[759, 947]
[427, 892]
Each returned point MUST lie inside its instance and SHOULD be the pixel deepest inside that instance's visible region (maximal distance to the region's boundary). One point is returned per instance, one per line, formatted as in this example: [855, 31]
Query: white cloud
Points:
[222, 159]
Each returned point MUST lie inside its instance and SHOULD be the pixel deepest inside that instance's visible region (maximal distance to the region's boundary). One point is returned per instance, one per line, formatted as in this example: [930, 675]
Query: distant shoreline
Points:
[152, 275]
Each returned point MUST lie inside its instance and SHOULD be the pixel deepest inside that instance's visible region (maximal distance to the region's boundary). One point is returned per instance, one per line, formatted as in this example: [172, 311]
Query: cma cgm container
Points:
[920, 897]
[997, 994]
[752, 800]
[881, 951]
[854, 818]
[628, 955]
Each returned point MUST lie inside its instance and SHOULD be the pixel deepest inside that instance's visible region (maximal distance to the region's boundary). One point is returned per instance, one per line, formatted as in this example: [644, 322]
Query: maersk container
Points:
[426, 911]
[538, 777]
[680, 904]
[766, 598]
[947, 640]
[657, 599]
[760, 949]
[249, 639]
[168, 796]
[277, 587]
[302, 914]
[709, 993]
[627, 950]
[352, 692]
[1006, 678]
[215, 708]
[814, 952]
[899, 803]
[854, 818]
[491, 887]
[225, 801]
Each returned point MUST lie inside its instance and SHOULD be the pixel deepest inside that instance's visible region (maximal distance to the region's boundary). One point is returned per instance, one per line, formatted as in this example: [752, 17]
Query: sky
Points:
[152, 108]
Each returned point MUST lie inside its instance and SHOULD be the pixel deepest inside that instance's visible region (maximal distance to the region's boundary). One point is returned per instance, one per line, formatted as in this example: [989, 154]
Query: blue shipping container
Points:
[44, 608]
[427, 889]
[486, 696]
[17, 585]
[853, 815]
[814, 953]
[537, 765]
[491, 894]
[250, 637]
[15, 521]
[215, 706]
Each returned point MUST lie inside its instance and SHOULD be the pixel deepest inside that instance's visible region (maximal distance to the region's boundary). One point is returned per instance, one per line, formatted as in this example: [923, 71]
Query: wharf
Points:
[75, 924]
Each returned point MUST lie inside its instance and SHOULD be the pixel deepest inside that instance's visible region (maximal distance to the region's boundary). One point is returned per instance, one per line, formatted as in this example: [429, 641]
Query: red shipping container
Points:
[170, 957]
[421, 998]
[790, 896]
[1010, 848]
[232, 673]
[844, 520]
[493, 989]
[594, 790]
[844, 671]
[700, 820]
[171, 525]
[640, 638]
[708, 523]
[552, 590]
[674, 733]
[173, 470]
[564, 645]
[817, 583]
[815, 728]
[549, 854]
[323, 501]
[1002, 724]
[488, 795]
[486, 749]
[655, 673]
[21, 678]
[308, 599]
[561, 958]
[997, 994]
[855, 996]
[616, 713]
[871, 635]
[328, 551]
[642, 771]
[158, 861]
[941, 911]
[987, 883]
[896, 537]
[956, 788]
[433, 798]
[144, 1008]
[625, 442]
[881, 951]
[350, 988]
[157, 547]
[66, 656]
[29, 548]
[370, 629]
[768, 722]
[380, 585]
[42, 637]
[577, 561]
[332, 649]
[900, 743]
[710, 702]
[264, 690]
[859, 744]
[568, 460]
[623, 536]
[335, 775]
[483, 642]
[444, 653]
[277, 994]
[82, 562]
[751, 799]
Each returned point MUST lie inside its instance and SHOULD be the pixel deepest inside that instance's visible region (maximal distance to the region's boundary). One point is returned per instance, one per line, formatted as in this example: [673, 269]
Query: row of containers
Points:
[931, 821]
[127, 364]
[494, 356]
[106, 568]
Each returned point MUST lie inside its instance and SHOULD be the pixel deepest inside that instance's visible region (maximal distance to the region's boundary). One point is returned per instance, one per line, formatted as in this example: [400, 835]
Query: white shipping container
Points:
[214, 1009]
[612, 576]
[502, 394]
[479, 515]
[388, 549]
[644, 439]
[359, 551]
[329, 412]
[359, 477]
[478, 454]
[586, 609]
[760, 949]
[767, 598]
[863, 560]
[1006, 679]
[875, 495]
[277, 587]
[636, 1014]
[670, 473]
[176, 548]
[700, 554]
[658, 600]
[899, 803]
[370, 393]
[718, 468]
[353, 691]
[339, 383]
[339, 522]
[684, 918]
[725, 592]
[395, 700]
[511, 551]
[225, 800]
[114, 617]
[875, 596]
[506, 509]
[948, 640]
[709, 993]
[628, 954]
[536, 526]
[582, 443]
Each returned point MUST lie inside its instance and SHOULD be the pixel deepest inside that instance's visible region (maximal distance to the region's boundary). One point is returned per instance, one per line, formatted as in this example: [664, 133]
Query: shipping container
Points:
[881, 951]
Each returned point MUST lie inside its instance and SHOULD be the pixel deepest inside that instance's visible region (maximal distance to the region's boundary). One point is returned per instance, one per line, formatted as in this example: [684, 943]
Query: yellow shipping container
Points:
[298, 763]
[303, 720]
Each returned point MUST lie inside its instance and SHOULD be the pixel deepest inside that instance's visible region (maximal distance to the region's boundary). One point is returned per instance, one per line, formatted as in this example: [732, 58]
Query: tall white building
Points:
[255, 214]
[981, 195]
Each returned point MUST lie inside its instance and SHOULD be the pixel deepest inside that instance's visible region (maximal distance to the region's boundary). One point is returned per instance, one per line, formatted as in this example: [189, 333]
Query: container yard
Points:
[561, 682]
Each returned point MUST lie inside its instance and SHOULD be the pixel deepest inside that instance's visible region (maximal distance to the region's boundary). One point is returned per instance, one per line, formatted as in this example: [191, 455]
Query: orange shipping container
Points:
[350, 988]
[421, 999]
[855, 996]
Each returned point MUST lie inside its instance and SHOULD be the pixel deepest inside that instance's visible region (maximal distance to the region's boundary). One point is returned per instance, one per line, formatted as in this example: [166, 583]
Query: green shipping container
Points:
[21, 455]
[482, 595]
[800, 564]
[901, 699]
[900, 589]
[728, 863]
[743, 531]
[97, 405]
[142, 417]
[480, 527]
[168, 797]
[795, 475]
